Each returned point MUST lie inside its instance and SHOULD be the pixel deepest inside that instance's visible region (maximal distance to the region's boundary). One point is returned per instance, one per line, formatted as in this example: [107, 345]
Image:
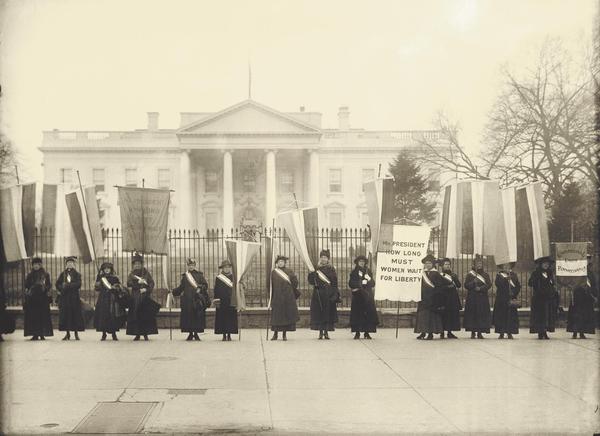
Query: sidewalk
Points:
[302, 386]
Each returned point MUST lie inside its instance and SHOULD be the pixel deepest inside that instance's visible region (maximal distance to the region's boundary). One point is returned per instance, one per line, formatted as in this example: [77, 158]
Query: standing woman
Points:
[581, 318]
[506, 316]
[323, 310]
[36, 306]
[70, 316]
[226, 320]
[363, 314]
[141, 317]
[543, 299]
[109, 313]
[478, 317]
[429, 309]
[452, 304]
[194, 301]
[7, 321]
[284, 285]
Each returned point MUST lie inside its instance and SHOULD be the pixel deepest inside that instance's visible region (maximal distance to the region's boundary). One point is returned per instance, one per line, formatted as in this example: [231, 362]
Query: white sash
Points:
[283, 275]
[68, 278]
[323, 277]
[478, 276]
[106, 283]
[509, 278]
[225, 280]
[448, 277]
[589, 283]
[190, 278]
[427, 280]
[139, 279]
[364, 275]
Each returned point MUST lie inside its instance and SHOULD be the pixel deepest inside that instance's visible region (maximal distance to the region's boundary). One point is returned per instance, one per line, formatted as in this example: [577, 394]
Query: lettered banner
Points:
[399, 268]
[571, 259]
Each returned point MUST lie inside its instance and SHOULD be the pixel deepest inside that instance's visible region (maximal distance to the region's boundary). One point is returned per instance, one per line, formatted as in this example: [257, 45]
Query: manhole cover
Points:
[115, 418]
[49, 425]
[163, 358]
[186, 391]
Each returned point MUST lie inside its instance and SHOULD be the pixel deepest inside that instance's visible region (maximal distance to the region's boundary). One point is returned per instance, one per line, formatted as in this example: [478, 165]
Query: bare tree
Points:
[7, 161]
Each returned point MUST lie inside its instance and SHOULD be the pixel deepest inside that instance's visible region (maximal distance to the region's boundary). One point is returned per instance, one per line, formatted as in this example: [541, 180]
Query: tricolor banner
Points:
[55, 215]
[379, 195]
[531, 236]
[301, 226]
[85, 223]
[11, 223]
[240, 254]
[269, 263]
[28, 214]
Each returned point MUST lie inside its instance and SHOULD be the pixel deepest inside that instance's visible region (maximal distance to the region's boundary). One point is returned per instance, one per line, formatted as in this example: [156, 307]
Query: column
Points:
[227, 192]
[185, 209]
[313, 177]
[271, 188]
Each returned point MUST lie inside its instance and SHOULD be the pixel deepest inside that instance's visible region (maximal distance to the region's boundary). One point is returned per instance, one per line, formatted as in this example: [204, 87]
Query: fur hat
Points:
[428, 258]
[36, 259]
[281, 257]
[359, 258]
[137, 257]
[543, 259]
[443, 260]
[225, 263]
[190, 261]
[70, 259]
[106, 265]
[325, 253]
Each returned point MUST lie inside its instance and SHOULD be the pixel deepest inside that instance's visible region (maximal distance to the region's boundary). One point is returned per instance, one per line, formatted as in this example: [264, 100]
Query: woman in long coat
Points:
[109, 313]
[478, 317]
[452, 304]
[226, 319]
[36, 306]
[544, 299]
[506, 316]
[363, 314]
[284, 310]
[141, 317]
[430, 308]
[70, 316]
[323, 310]
[581, 318]
[7, 321]
[194, 301]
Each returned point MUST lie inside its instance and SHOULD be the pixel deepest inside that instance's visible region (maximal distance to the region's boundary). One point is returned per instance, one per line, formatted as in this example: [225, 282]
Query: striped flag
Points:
[240, 254]
[28, 213]
[301, 226]
[85, 223]
[55, 215]
[269, 263]
[379, 195]
[531, 235]
[11, 223]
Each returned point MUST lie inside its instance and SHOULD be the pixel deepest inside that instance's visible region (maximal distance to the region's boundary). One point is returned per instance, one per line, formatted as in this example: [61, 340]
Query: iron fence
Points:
[209, 250]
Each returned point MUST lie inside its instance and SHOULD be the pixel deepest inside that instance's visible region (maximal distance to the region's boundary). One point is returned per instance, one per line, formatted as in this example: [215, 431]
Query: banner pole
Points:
[397, 316]
[87, 218]
[17, 174]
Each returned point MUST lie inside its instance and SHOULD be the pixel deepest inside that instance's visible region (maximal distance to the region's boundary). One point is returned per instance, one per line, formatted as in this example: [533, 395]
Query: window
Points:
[250, 180]
[210, 220]
[211, 181]
[130, 177]
[335, 220]
[335, 180]
[368, 174]
[98, 179]
[66, 176]
[164, 178]
[287, 181]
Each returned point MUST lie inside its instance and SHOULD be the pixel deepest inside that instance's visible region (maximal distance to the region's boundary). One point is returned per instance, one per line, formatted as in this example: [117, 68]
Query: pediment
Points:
[248, 117]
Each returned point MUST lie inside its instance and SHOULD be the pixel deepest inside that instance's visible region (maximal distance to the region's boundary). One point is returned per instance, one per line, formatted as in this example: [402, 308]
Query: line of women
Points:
[438, 311]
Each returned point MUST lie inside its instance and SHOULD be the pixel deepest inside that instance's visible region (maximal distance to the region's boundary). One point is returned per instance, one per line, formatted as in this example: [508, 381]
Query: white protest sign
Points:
[399, 268]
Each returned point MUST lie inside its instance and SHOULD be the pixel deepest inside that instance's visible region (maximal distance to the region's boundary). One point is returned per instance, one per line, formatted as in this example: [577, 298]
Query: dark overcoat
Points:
[141, 317]
[506, 316]
[109, 313]
[430, 308]
[363, 313]
[70, 316]
[325, 296]
[36, 304]
[581, 317]
[478, 317]
[284, 309]
[544, 301]
[226, 319]
[452, 304]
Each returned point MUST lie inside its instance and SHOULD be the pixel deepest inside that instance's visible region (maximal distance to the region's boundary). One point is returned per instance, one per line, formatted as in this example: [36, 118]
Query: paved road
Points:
[304, 386]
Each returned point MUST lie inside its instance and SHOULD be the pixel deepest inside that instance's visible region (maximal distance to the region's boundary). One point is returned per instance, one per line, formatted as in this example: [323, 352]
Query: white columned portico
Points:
[313, 177]
[185, 191]
[271, 188]
[227, 192]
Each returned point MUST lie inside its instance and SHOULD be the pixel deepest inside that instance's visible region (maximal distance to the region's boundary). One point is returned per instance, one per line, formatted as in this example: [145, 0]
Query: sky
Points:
[101, 65]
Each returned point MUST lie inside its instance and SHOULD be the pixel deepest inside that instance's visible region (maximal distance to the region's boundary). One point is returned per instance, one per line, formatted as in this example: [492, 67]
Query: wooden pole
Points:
[271, 279]
[397, 316]
[17, 174]
[379, 172]
[87, 218]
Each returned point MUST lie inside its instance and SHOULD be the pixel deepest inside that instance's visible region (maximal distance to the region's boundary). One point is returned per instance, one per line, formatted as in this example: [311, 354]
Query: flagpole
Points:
[17, 174]
[87, 218]
[270, 279]
[397, 316]
[143, 223]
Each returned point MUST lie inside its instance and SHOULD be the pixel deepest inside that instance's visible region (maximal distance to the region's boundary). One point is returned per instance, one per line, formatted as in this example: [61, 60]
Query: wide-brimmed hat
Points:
[541, 260]
[36, 259]
[137, 257]
[281, 257]
[190, 261]
[428, 258]
[70, 259]
[225, 263]
[325, 253]
[442, 260]
[359, 258]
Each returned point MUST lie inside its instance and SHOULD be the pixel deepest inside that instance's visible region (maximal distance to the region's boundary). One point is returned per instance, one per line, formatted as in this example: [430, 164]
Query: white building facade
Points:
[239, 166]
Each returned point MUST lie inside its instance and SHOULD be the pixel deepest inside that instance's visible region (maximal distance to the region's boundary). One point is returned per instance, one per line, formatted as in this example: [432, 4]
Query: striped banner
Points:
[85, 222]
[269, 263]
[532, 237]
[11, 223]
[300, 226]
[379, 195]
[28, 213]
[510, 226]
[240, 254]
[55, 215]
